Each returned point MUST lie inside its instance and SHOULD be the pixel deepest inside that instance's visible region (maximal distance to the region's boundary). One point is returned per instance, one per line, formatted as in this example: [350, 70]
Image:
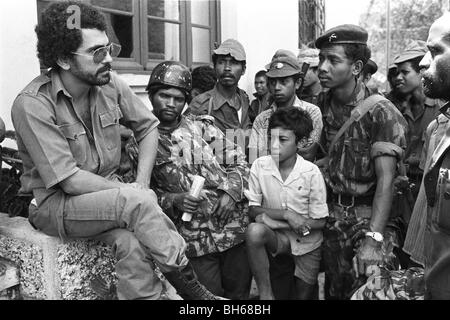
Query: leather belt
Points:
[347, 201]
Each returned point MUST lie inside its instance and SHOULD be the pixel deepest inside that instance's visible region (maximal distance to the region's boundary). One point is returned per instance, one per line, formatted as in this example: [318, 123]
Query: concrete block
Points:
[52, 269]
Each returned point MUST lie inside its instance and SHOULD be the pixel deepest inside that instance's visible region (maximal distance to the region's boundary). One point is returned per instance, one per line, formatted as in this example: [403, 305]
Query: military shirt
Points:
[417, 126]
[197, 147]
[381, 132]
[259, 105]
[224, 111]
[437, 188]
[54, 142]
[259, 137]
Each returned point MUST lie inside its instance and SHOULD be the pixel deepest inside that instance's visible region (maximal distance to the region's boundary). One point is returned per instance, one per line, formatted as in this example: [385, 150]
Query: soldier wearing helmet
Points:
[191, 146]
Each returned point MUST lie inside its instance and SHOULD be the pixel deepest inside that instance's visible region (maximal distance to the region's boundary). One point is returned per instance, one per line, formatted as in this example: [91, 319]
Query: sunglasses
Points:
[100, 54]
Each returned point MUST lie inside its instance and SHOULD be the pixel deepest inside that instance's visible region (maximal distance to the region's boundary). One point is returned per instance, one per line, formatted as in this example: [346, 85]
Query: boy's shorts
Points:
[306, 266]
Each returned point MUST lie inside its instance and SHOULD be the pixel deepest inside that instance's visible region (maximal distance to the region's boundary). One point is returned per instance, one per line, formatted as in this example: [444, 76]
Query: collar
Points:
[264, 96]
[219, 100]
[300, 167]
[169, 130]
[360, 93]
[444, 110]
[57, 85]
[297, 103]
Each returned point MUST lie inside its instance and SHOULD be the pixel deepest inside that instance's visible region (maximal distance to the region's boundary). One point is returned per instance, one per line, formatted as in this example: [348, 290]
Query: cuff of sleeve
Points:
[253, 198]
[62, 178]
[386, 149]
[318, 211]
[147, 132]
[166, 202]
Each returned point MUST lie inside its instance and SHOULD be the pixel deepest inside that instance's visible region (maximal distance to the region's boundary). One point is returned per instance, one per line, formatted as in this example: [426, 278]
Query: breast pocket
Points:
[77, 139]
[109, 121]
[357, 159]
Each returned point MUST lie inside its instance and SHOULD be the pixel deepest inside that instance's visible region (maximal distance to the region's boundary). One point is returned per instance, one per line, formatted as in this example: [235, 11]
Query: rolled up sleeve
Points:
[254, 191]
[45, 143]
[318, 208]
[389, 132]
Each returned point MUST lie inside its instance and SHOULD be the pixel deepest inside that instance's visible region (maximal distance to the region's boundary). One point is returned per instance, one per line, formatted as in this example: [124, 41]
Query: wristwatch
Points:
[375, 236]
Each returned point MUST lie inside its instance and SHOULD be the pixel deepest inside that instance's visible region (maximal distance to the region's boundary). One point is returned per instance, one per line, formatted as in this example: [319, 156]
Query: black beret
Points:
[371, 67]
[343, 34]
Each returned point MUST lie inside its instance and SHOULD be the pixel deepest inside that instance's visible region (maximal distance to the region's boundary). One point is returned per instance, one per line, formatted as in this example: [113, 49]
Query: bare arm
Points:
[148, 148]
[385, 170]
[286, 219]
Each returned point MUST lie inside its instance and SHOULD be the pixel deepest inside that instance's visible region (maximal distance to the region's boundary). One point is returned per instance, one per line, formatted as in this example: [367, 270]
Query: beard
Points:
[100, 78]
[437, 86]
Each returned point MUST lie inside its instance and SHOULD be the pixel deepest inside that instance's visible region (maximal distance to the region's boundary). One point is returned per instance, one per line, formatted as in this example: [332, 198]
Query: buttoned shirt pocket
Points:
[77, 139]
[110, 127]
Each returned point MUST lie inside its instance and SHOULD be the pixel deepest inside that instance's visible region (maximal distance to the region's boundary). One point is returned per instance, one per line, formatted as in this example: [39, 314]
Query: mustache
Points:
[107, 67]
[227, 75]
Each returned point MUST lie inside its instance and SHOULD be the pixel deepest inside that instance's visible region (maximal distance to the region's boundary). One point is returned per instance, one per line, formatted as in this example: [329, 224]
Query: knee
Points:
[137, 200]
[125, 244]
[256, 234]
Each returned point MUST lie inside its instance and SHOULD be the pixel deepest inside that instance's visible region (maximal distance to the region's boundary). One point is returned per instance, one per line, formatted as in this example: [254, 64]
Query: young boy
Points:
[284, 79]
[287, 199]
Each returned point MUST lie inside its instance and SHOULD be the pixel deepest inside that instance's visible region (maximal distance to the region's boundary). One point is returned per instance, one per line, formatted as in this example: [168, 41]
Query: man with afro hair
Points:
[67, 123]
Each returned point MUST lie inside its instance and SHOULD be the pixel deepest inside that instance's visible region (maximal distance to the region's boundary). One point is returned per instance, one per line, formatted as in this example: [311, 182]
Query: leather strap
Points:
[357, 113]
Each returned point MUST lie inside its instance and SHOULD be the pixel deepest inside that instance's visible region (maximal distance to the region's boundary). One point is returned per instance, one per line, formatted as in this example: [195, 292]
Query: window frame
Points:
[140, 63]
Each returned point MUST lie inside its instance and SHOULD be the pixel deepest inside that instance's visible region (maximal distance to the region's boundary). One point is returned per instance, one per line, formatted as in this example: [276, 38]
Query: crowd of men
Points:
[318, 173]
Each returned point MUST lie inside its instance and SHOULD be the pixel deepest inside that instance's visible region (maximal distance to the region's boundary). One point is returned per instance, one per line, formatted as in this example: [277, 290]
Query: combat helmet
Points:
[171, 73]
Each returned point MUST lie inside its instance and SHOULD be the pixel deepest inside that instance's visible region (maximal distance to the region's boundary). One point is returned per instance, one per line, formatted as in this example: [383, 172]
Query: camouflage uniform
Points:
[351, 173]
[393, 285]
[178, 149]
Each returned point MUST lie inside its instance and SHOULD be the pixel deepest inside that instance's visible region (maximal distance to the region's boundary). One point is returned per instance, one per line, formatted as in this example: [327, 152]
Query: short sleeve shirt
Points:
[54, 142]
[380, 132]
[303, 192]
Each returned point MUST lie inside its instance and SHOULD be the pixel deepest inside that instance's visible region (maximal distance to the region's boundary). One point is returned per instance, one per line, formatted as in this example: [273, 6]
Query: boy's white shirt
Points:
[303, 192]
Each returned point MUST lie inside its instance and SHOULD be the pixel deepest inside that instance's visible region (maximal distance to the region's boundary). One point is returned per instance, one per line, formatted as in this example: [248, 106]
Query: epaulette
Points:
[203, 97]
[33, 87]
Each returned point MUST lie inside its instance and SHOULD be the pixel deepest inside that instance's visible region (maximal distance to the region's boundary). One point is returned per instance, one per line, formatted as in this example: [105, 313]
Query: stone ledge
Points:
[52, 269]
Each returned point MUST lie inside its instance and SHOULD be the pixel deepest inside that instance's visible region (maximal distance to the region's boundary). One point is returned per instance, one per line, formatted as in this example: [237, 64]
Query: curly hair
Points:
[203, 78]
[56, 39]
[292, 118]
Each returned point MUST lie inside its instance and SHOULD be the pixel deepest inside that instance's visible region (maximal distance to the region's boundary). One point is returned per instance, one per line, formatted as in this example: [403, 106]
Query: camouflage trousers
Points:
[403, 284]
[343, 235]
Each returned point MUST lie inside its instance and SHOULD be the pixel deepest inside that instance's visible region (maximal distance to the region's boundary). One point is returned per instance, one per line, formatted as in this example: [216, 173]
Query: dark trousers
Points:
[226, 273]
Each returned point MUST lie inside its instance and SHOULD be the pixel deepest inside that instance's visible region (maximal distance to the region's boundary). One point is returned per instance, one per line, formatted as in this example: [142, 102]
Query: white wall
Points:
[18, 62]
[262, 26]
